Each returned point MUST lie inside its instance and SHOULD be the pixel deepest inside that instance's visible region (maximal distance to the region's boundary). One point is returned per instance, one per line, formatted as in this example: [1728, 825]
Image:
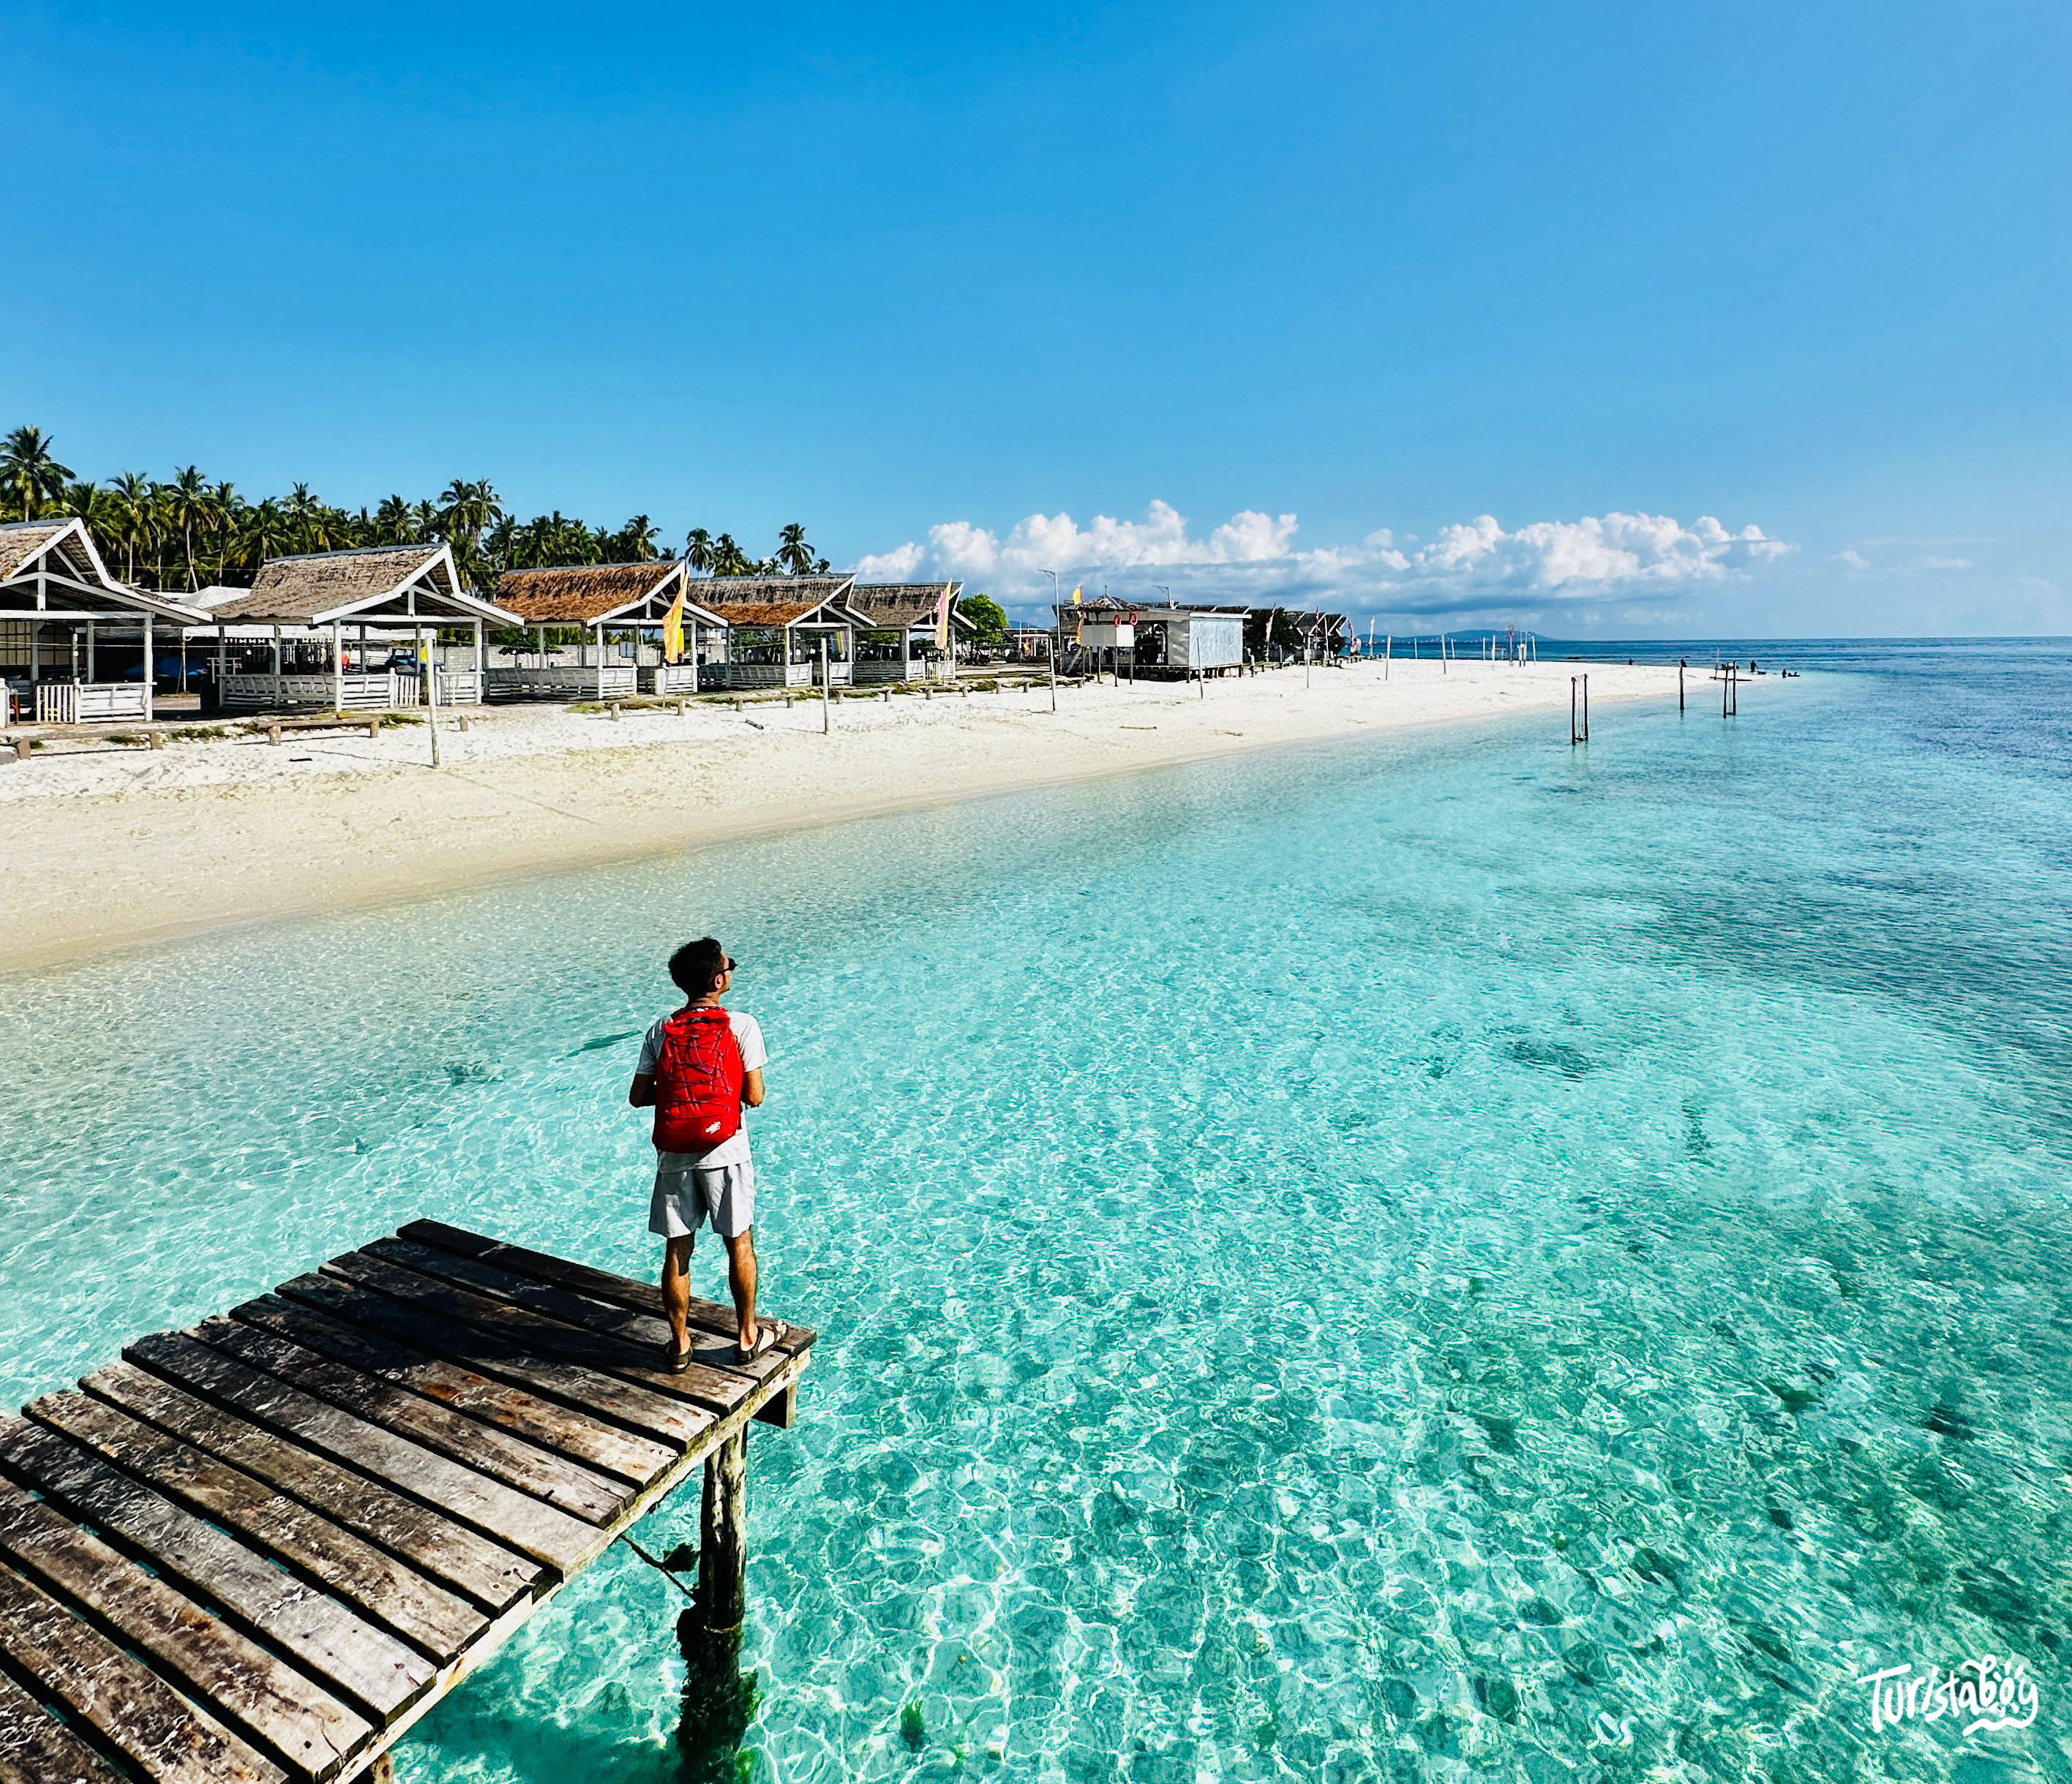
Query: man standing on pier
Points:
[699, 1068]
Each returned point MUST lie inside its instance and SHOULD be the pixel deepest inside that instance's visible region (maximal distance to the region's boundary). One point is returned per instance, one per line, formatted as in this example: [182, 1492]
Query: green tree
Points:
[793, 553]
[698, 549]
[988, 622]
[187, 495]
[130, 517]
[31, 477]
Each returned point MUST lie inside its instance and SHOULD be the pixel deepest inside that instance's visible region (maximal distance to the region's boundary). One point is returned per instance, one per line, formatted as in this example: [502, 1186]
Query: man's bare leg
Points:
[741, 1279]
[676, 1290]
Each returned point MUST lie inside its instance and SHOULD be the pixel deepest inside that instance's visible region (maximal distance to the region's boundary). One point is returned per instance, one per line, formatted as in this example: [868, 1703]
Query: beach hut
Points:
[65, 622]
[1163, 638]
[321, 608]
[601, 599]
[902, 630]
[777, 627]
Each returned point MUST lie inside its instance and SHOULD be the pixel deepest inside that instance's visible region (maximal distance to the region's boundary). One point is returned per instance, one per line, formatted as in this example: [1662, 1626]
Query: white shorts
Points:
[686, 1196]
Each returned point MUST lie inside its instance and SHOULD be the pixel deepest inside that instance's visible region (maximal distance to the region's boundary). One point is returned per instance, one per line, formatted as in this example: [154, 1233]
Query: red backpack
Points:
[697, 1081]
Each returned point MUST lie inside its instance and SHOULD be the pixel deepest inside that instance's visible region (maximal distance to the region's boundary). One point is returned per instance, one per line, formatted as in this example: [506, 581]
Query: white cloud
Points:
[1855, 560]
[1252, 557]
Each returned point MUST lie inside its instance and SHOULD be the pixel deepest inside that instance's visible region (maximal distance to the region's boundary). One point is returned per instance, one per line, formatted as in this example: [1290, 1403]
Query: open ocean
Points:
[1441, 1256]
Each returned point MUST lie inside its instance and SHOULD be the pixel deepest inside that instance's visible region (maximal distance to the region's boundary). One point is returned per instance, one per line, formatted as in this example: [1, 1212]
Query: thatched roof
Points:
[780, 612]
[725, 592]
[76, 583]
[581, 594]
[386, 582]
[22, 542]
[905, 606]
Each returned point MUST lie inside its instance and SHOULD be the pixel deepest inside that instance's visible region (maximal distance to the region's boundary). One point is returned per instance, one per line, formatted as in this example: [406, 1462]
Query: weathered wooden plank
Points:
[438, 1621]
[603, 1302]
[708, 1387]
[501, 1512]
[526, 1466]
[160, 1734]
[354, 1662]
[494, 1576]
[295, 1720]
[36, 1748]
[673, 1422]
[648, 1333]
[584, 1278]
[575, 1434]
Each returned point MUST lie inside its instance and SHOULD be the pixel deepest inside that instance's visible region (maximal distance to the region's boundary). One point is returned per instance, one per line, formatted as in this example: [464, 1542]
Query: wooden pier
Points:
[259, 1549]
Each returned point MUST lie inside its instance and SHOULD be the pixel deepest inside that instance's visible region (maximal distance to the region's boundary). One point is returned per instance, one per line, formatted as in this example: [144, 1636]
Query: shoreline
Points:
[163, 846]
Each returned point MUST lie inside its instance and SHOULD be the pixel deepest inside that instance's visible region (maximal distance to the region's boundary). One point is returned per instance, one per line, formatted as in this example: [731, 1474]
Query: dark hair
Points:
[697, 966]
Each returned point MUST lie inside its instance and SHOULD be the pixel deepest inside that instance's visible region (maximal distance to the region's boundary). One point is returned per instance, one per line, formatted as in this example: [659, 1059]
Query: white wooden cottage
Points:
[778, 628]
[902, 631]
[632, 601]
[64, 621]
[320, 631]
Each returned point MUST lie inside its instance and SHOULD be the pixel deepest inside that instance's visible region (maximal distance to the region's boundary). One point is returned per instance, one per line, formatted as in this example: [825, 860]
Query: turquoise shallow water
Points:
[1446, 1257]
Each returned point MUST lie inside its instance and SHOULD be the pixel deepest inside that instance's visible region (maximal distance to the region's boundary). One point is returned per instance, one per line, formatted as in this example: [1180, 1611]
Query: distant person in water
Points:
[699, 1068]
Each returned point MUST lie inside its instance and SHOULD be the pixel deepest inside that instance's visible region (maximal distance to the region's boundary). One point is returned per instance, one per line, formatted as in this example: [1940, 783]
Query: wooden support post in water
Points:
[717, 1701]
[1680, 687]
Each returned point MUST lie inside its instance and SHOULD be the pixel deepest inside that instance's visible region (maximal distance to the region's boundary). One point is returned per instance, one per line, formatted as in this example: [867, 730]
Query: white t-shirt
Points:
[748, 1036]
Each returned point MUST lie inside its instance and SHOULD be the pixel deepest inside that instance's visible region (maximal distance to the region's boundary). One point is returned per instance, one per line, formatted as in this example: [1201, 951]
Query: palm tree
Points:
[129, 499]
[635, 542]
[227, 509]
[392, 522]
[729, 560]
[187, 495]
[793, 552]
[698, 549]
[266, 531]
[30, 476]
[466, 511]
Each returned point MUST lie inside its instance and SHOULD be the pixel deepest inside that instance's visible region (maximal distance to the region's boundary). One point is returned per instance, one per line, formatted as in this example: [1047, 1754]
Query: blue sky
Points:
[1296, 295]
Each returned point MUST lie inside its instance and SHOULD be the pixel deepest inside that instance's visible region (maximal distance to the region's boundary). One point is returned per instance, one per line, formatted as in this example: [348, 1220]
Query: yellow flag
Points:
[943, 619]
[1076, 588]
[672, 631]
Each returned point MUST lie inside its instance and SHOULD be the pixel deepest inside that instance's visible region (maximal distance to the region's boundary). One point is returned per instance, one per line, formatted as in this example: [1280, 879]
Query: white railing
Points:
[355, 692]
[785, 674]
[564, 682]
[89, 703]
[674, 677]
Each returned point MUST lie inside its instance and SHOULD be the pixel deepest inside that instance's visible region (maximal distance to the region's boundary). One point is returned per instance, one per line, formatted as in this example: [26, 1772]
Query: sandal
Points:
[676, 1362]
[768, 1332]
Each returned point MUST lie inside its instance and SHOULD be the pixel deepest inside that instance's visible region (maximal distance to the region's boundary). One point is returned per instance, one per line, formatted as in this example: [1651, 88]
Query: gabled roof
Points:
[584, 594]
[385, 582]
[76, 584]
[892, 606]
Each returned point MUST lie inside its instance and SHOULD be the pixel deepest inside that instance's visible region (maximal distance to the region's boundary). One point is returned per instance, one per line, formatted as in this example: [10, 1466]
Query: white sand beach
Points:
[133, 846]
